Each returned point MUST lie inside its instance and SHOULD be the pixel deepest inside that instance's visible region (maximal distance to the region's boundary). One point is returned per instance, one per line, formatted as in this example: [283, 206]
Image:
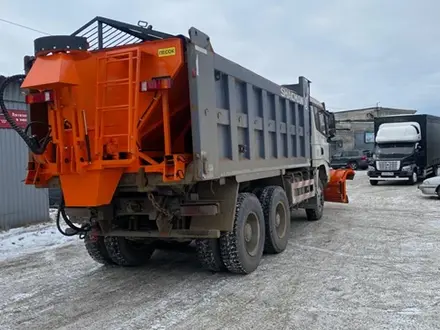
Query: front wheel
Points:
[413, 179]
[316, 213]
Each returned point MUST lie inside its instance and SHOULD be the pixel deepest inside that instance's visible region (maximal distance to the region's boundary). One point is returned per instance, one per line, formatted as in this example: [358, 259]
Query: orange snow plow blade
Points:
[336, 190]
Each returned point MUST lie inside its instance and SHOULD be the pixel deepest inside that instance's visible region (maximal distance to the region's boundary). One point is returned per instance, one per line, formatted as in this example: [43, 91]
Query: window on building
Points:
[369, 137]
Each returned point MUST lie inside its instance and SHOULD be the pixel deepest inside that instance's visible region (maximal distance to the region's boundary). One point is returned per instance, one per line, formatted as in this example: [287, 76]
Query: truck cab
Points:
[397, 153]
[323, 130]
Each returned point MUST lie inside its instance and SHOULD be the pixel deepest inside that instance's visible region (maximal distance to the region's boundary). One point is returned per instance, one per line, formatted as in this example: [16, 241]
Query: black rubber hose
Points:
[58, 218]
[31, 143]
[81, 231]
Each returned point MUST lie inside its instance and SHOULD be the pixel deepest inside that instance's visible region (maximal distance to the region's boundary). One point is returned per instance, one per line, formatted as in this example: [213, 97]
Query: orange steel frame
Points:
[98, 94]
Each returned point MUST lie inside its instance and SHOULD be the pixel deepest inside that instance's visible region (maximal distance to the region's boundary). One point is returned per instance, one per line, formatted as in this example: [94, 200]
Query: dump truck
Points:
[406, 148]
[154, 137]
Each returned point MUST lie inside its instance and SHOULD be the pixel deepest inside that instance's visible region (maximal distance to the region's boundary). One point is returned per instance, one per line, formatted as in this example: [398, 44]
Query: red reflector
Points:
[364, 157]
[155, 84]
[42, 97]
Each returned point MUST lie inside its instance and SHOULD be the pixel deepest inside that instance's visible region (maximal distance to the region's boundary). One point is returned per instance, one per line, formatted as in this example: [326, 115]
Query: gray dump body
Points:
[242, 123]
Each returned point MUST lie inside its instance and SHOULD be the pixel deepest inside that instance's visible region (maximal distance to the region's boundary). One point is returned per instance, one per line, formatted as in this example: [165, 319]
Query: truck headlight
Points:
[407, 168]
[371, 168]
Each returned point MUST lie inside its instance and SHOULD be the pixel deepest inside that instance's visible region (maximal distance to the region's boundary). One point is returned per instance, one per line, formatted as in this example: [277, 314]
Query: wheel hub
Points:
[277, 220]
[248, 232]
[251, 233]
[319, 196]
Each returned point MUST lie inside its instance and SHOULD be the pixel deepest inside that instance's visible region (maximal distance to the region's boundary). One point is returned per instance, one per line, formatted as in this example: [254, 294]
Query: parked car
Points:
[431, 186]
[355, 159]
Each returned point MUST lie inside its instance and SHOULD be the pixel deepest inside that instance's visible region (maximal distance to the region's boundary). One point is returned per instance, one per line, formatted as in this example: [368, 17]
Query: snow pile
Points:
[31, 239]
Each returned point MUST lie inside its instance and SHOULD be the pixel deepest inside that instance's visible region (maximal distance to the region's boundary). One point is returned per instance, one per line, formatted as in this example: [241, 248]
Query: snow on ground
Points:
[371, 264]
[40, 237]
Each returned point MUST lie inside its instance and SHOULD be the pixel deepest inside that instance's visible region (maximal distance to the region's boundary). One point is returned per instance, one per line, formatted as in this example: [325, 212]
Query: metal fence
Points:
[20, 204]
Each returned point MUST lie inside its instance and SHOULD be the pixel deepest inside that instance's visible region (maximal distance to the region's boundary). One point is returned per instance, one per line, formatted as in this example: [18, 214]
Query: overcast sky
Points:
[355, 52]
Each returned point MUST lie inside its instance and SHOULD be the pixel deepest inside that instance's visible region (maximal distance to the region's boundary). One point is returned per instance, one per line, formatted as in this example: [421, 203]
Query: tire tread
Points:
[228, 240]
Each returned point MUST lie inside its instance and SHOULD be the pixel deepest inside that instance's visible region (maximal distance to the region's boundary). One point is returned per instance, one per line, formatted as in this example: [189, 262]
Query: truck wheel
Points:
[128, 253]
[317, 212]
[413, 179]
[96, 249]
[208, 254]
[242, 248]
[276, 211]
[374, 182]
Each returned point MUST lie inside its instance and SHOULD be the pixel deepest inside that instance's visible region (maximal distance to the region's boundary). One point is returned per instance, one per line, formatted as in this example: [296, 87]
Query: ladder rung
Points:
[114, 108]
[114, 135]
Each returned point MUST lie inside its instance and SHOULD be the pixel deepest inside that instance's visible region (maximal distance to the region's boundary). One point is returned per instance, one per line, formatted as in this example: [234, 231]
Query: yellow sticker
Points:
[171, 51]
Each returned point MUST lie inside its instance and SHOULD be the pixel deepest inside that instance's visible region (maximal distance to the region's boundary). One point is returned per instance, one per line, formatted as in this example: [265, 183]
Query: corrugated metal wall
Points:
[19, 204]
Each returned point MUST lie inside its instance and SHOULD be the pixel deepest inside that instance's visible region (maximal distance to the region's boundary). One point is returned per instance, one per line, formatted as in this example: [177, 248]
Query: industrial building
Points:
[355, 128]
[20, 204]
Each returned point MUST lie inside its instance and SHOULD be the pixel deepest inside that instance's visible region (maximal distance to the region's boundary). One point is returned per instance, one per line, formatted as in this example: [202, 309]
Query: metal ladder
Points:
[131, 56]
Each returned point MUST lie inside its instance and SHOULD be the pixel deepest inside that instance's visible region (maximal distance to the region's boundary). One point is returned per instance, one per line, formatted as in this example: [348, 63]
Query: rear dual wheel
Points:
[242, 248]
[96, 248]
[209, 255]
[128, 253]
[277, 219]
[112, 250]
[316, 213]
[260, 225]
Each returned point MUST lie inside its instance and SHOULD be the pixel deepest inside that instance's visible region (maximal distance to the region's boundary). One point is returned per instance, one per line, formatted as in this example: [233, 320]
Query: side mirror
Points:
[331, 124]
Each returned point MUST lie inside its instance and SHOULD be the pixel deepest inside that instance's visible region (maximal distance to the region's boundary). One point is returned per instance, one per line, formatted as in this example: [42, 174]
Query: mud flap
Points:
[336, 190]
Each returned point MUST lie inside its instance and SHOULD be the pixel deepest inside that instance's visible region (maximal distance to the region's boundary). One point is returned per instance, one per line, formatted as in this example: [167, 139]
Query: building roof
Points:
[408, 111]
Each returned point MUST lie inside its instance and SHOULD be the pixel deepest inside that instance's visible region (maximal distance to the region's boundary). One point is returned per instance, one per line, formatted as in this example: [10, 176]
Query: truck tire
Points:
[128, 253]
[276, 211]
[316, 213]
[374, 182]
[242, 248]
[96, 249]
[413, 179]
[208, 254]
